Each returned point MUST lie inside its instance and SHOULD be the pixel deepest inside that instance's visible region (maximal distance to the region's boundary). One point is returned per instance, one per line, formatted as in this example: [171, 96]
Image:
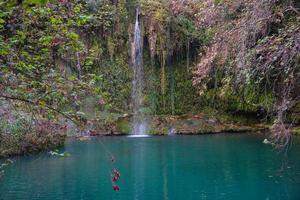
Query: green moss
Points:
[158, 131]
[122, 126]
[296, 131]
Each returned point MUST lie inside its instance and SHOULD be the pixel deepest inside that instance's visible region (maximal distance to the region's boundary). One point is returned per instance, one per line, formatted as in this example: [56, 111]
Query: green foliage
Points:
[54, 54]
[20, 126]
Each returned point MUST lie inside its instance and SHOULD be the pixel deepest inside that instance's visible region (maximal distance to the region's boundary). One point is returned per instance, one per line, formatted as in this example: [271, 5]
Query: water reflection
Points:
[206, 167]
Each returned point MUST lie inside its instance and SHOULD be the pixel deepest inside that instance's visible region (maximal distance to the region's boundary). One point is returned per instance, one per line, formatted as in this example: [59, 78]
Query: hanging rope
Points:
[115, 175]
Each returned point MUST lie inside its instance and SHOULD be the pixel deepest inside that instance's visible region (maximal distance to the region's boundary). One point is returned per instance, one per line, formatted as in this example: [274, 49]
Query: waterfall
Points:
[139, 125]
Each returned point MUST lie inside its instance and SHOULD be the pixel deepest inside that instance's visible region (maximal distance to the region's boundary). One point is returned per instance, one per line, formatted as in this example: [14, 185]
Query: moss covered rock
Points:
[123, 125]
[198, 124]
[296, 130]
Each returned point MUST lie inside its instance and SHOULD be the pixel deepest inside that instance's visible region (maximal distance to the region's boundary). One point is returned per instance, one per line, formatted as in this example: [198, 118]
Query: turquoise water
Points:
[159, 168]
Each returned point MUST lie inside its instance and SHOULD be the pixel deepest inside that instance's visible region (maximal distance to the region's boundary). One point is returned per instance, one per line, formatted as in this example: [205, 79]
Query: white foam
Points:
[138, 136]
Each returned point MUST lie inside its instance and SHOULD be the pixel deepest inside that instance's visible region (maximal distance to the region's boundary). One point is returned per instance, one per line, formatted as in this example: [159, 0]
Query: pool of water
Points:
[221, 166]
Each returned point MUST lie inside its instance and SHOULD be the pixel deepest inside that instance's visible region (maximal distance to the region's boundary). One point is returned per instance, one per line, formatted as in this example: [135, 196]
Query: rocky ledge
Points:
[188, 125]
[198, 124]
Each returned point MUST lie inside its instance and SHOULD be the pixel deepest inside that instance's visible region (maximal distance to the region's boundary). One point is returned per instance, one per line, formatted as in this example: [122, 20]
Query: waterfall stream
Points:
[139, 125]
